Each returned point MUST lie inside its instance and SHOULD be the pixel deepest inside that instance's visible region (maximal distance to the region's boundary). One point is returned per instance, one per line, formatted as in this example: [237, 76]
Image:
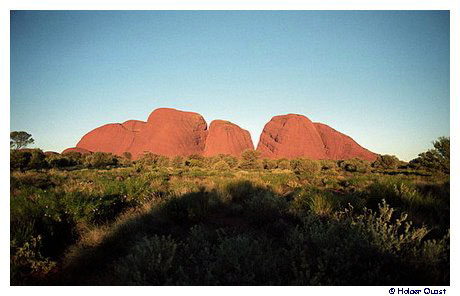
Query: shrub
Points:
[250, 159]
[127, 155]
[195, 163]
[153, 160]
[232, 161]
[59, 161]
[264, 207]
[241, 190]
[437, 159]
[76, 157]
[27, 263]
[191, 207]
[37, 160]
[312, 201]
[153, 261]
[305, 167]
[19, 160]
[355, 165]
[327, 164]
[177, 162]
[386, 162]
[268, 164]
[100, 160]
[221, 166]
[283, 164]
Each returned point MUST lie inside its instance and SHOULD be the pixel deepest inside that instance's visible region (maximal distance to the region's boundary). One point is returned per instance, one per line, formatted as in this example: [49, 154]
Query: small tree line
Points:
[436, 159]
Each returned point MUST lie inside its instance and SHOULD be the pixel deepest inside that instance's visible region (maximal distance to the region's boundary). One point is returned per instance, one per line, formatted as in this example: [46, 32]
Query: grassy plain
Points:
[179, 223]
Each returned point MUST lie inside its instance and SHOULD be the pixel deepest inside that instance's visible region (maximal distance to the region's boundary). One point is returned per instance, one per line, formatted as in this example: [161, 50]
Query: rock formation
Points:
[113, 137]
[292, 135]
[172, 132]
[340, 146]
[225, 137]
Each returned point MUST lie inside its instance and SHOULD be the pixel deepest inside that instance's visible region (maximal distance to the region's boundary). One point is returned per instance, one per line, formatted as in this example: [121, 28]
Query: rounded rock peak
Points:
[134, 125]
[170, 113]
[225, 137]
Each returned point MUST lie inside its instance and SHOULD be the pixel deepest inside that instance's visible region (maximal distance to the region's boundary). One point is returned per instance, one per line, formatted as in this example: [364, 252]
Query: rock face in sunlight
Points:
[113, 137]
[293, 135]
[225, 137]
[290, 136]
[168, 132]
[172, 132]
[340, 146]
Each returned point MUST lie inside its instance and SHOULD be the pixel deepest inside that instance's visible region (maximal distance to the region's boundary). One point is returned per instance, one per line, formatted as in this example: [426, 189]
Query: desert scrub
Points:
[36, 212]
[306, 168]
[27, 265]
[241, 190]
[264, 207]
[355, 165]
[311, 200]
[422, 208]
[399, 239]
[193, 207]
[152, 261]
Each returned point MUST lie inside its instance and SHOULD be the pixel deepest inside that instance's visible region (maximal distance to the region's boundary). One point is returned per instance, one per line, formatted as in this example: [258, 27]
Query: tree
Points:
[437, 159]
[20, 139]
[386, 162]
[250, 159]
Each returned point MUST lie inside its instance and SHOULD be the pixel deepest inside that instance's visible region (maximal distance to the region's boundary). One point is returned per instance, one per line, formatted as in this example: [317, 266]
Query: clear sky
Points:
[381, 77]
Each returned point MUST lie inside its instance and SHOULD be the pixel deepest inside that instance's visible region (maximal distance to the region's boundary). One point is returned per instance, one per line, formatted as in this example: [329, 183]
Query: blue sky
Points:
[381, 77]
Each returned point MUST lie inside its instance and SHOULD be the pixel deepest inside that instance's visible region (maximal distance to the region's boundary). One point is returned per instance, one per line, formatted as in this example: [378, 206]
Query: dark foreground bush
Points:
[347, 248]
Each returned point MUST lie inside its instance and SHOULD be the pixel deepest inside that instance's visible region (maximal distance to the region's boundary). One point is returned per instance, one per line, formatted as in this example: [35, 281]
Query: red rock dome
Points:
[340, 146]
[171, 132]
[113, 138]
[290, 136]
[225, 137]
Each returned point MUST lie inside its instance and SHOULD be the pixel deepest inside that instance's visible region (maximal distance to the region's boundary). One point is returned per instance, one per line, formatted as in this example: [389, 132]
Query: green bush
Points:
[192, 207]
[59, 161]
[221, 166]
[305, 167]
[177, 162]
[269, 164]
[232, 161]
[327, 164]
[283, 164]
[19, 160]
[437, 159]
[153, 261]
[27, 263]
[152, 160]
[386, 162]
[100, 160]
[355, 165]
[250, 160]
[75, 157]
[241, 190]
[264, 207]
[37, 160]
